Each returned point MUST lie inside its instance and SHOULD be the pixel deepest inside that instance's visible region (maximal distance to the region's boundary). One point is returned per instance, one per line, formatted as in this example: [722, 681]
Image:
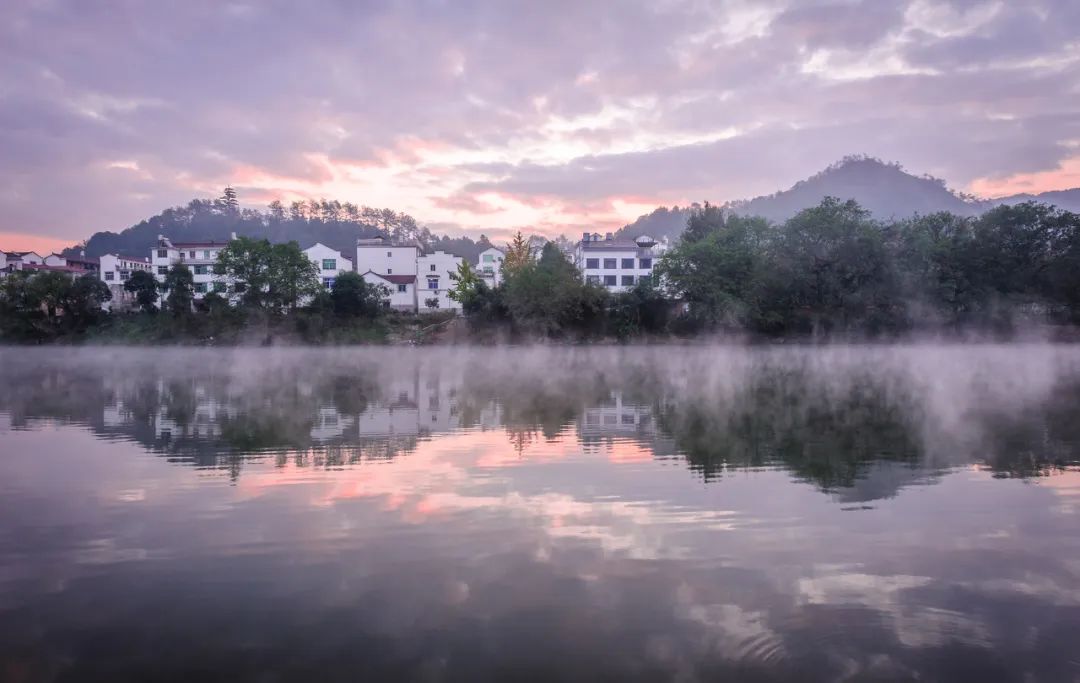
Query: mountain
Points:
[886, 190]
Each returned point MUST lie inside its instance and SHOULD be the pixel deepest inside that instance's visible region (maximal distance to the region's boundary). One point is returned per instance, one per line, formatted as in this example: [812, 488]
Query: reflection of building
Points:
[614, 417]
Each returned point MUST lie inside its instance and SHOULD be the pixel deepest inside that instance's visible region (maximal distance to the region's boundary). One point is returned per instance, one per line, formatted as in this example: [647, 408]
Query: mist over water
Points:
[550, 513]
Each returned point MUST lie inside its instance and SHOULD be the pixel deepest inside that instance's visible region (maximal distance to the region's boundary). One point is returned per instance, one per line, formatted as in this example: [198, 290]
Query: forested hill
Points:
[886, 190]
[334, 224]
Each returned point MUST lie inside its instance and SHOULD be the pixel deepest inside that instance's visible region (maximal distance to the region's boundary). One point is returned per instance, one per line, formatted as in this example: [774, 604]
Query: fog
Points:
[1008, 407]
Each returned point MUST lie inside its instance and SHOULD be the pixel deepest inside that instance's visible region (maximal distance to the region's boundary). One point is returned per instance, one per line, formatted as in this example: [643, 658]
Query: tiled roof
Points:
[58, 269]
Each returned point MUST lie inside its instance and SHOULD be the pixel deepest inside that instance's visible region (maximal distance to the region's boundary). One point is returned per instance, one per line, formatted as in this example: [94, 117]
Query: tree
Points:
[353, 297]
[291, 276]
[466, 284]
[713, 267]
[519, 253]
[245, 262]
[276, 211]
[48, 290]
[180, 286]
[145, 288]
[548, 297]
[432, 303]
[83, 298]
[229, 202]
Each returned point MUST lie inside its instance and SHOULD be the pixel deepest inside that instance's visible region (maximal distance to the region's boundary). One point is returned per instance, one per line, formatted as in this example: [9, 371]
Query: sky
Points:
[551, 116]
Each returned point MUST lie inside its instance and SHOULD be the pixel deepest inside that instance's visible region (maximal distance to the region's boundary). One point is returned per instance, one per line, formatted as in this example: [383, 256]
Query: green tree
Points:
[246, 263]
[466, 285]
[519, 254]
[83, 299]
[48, 291]
[179, 284]
[353, 297]
[713, 271]
[291, 276]
[547, 296]
[145, 288]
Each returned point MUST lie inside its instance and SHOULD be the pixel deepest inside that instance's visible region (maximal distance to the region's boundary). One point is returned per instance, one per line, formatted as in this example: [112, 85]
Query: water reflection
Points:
[884, 513]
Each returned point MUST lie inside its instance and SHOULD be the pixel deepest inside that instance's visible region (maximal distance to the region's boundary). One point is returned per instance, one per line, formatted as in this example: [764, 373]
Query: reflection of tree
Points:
[825, 434]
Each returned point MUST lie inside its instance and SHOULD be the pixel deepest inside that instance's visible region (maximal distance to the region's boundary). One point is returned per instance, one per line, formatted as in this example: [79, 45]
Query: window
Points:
[389, 254]
[200, 287]
[645, 263]
[109, 275]
[627, 418]
[206, 253]
[609, 280]
[329, 264]
[191, 254]
[592, 279]
[611, 263]
[328, 282]
[628, 280]
[488, 258]
[200, 270]
[592, 263]
[389, 271]
[162, 270]
[488, 270]
[628, 264]
[433, 267]
[163, 253]
[403, 288]
[219, 287]
[124, 275]
[433, 283]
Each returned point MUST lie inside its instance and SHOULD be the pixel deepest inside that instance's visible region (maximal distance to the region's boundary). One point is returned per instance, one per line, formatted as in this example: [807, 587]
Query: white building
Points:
[115, 271]
[435, 280]
[614, 263]
[15, 260]
[331, 263]
[489, 265]
[200, 257]
[400, 289]
[382, 262]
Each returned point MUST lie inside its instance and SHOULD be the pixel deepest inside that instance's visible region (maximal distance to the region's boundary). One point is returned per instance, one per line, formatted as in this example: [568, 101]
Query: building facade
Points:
[616, 264]
[489, 266]
[421, 281]
[200, 257]
[331, 262]
[115, 271]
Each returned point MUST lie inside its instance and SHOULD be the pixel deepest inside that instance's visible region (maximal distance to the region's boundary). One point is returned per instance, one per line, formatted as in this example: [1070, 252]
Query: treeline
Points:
[829, 270]
[336, 224]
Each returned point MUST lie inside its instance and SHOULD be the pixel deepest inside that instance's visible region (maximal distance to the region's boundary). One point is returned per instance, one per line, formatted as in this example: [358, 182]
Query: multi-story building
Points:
[616, 264]
[413, 279]
[115, 271]
[200, 257]
[331, 263]
[489, 265]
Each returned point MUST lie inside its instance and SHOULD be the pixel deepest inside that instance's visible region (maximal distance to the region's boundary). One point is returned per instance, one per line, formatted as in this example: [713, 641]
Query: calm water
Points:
[880, 513]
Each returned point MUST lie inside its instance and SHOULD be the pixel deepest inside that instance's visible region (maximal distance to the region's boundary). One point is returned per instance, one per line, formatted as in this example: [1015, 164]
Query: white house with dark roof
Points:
[617, 264]
[15, 260]
[200, 257]
[400, 289]
[381, 261]
[331, 263]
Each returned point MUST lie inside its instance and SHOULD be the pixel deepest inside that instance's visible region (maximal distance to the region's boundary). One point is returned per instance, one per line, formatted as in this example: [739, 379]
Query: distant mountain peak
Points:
[886, 189]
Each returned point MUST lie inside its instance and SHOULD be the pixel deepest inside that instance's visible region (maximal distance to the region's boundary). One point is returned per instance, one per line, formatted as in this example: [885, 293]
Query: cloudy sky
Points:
[488, 116]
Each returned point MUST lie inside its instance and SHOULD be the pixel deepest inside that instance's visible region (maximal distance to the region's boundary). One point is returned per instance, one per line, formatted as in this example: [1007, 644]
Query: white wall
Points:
[318, 253]
[489, 265]
[596, 265]
[55, 260]
[115, 271]
[384, 259]
[435, 269]
[200, 258]
[401, 301]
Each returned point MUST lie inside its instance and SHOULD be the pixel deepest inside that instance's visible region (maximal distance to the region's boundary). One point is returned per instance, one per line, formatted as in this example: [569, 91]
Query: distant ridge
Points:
[884, 189]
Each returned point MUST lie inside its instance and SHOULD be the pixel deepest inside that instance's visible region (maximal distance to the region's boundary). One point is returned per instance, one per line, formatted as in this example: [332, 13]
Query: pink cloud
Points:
[1065, 176]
